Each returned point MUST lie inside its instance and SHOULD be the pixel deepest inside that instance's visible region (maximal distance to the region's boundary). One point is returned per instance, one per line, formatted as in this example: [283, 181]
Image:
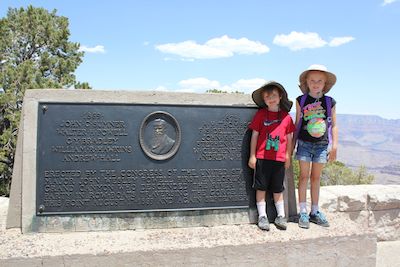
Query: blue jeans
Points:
[312, 152]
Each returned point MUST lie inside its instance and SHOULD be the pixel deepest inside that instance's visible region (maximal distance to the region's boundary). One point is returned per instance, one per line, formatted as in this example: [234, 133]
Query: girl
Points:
[316, 133]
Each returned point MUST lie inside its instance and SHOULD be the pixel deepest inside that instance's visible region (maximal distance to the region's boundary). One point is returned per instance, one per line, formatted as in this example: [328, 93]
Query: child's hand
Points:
[252, 162]
[332, 155]
[287, 162]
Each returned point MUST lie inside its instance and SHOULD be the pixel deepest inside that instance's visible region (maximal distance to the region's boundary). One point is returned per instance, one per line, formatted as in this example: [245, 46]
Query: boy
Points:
[270, 149]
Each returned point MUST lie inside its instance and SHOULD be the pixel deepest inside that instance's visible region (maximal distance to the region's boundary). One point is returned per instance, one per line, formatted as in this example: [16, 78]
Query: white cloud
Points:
[247, 86]
[239, 46]
[388, 2]
[198, 84]
[298, 40]
[190, 49]
[340, 41]
[201, 85]
[96, 49]
[220, 47]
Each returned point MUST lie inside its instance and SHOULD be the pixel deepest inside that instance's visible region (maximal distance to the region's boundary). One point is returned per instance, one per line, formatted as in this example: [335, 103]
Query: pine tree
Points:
[34, 53]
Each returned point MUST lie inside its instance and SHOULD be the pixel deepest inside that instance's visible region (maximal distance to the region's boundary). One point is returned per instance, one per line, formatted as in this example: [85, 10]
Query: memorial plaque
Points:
[103, 158]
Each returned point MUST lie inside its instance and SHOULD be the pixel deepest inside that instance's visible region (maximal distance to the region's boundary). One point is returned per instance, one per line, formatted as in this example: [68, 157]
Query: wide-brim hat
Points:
[284, 103]
[330, 78]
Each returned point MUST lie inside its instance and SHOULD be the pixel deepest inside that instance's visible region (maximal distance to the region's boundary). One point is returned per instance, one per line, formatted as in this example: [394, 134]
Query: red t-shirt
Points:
[276, 125]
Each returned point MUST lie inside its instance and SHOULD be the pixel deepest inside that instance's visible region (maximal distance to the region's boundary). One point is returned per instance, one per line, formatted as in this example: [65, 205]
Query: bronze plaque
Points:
[104, 158]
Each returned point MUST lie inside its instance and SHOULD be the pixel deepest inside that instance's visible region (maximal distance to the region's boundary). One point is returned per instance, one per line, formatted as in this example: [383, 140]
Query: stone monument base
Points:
[143, 220]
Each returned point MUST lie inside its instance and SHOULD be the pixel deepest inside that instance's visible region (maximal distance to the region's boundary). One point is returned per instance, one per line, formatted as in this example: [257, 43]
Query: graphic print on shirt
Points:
[314, 115]
[268, 123]
[272, 143]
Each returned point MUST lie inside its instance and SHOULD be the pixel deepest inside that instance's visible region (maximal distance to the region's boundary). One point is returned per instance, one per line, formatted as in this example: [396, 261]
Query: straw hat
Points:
[284, 104]
[331, 78]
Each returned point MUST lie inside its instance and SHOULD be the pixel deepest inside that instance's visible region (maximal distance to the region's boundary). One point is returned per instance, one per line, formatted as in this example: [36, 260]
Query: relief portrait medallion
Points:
[160, 135]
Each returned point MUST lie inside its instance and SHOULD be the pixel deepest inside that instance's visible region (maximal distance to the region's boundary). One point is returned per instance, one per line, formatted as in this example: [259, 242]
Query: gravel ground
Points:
[13, 244]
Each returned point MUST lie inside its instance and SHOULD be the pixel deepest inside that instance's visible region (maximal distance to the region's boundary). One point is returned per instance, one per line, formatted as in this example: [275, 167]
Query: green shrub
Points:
[337, 173]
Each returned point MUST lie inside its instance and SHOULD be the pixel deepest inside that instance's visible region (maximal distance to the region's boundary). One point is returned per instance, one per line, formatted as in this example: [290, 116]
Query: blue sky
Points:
[183, 45]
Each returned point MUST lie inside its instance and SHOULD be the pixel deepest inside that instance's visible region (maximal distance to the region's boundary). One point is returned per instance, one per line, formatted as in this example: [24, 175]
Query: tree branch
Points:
[7, 162]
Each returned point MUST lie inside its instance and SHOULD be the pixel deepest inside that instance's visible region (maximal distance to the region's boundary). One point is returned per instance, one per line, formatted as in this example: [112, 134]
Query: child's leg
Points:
[263, 223]
[303, 179]
[279, 204]
[260, 199]
[280, 220]
[315, 179]
[316, 216]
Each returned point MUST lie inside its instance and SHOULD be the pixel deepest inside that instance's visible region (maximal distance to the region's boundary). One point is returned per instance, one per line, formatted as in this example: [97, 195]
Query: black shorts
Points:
[269, 176]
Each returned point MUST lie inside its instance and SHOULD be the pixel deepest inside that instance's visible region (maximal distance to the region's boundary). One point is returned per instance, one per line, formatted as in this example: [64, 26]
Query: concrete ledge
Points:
[388, 254]
[355, 250]
[228, 245]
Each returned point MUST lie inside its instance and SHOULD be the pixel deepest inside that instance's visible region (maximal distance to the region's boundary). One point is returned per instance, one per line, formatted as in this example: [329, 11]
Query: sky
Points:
[231, 45]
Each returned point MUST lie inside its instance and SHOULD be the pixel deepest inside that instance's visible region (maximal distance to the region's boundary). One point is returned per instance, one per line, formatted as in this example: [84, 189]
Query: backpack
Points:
[328, 101]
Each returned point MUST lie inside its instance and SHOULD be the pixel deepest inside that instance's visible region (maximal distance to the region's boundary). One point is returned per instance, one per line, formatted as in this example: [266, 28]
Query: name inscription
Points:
[91, 138]
[143, 188]
[221, 140]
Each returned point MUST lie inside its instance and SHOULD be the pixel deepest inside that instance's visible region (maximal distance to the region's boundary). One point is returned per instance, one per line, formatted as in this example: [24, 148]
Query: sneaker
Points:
[304, 220]
[319, 218]
[263, 223]
[280, 223]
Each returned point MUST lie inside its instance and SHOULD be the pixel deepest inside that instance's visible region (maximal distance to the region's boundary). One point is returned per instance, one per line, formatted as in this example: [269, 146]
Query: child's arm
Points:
[253, 147]
[333, 152]
[289, 148]
[298, 115]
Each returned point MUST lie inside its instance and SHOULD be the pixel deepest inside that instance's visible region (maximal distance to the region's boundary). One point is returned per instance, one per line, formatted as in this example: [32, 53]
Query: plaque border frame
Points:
[42, 107]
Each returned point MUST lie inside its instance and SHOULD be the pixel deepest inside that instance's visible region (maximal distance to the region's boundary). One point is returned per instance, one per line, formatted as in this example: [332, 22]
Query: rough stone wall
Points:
[372, 206]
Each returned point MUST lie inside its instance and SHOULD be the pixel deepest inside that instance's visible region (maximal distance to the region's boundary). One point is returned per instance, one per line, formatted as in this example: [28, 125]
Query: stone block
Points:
[328, 200]
[384, 197]
[360, 217]
[349, 198]
[37, 262]
[56, 224]
[53, 262]
[125, 221]
[98, 222]
[359, 250]
[15, 208]
[388, 254]
[351, 203]
[386, 224]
